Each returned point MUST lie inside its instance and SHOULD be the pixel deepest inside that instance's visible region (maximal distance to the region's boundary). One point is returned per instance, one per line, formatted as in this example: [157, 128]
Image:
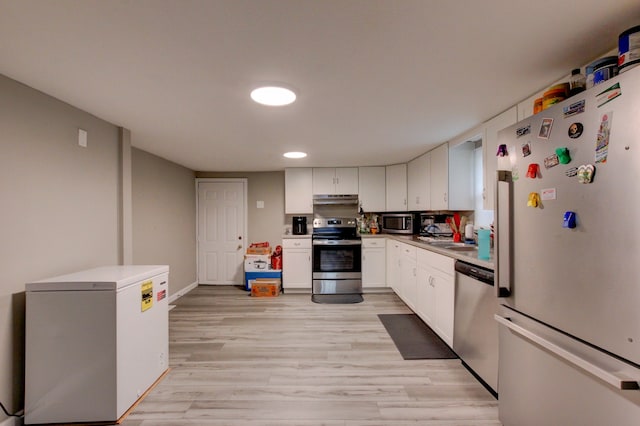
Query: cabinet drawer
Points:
[373, 242]
[437, 261]
[408, 250]
[296, 243]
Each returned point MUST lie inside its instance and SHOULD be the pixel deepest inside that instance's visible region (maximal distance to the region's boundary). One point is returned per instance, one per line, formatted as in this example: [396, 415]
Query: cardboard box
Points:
[257, 262]
[265, 287]
[250, 276]
[259, 250]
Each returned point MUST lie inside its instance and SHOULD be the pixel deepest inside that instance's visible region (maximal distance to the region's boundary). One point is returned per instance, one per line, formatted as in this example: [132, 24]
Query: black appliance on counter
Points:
[299, 225]
[336, 258]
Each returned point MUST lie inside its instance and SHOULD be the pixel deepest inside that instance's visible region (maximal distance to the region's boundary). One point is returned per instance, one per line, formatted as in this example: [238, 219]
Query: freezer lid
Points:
[101, 278]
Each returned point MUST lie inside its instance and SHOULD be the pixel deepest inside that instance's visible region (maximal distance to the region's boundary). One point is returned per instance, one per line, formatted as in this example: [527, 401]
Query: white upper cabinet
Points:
[396, 188]
[419, 183]
[298, 189]
[429, 180]
[371, 188]
[439, 180]
[340, 180]
[462, 170]
[490, 147]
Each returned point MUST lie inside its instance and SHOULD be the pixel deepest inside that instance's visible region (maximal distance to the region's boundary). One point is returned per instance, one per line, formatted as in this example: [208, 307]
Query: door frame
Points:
[245, 221]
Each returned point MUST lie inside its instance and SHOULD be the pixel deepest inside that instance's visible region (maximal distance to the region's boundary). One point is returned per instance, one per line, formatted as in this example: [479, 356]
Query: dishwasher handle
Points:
[476, 272]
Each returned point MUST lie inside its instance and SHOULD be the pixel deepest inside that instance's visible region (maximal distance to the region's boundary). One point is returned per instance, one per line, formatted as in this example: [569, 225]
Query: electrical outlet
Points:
[82, 138]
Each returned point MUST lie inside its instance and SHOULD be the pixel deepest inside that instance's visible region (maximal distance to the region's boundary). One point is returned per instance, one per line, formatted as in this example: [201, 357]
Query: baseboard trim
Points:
[179, 294]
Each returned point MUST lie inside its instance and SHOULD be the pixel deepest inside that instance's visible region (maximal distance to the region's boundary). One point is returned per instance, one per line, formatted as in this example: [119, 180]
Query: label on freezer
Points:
[162, 294]
[147, 295]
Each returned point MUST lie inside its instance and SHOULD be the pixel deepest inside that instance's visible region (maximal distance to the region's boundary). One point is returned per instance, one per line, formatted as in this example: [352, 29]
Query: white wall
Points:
[66, 208]
[60, 207]
[164, 217]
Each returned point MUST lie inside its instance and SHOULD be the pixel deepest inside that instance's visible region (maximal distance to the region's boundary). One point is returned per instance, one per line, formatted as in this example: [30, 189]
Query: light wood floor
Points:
[238, 360]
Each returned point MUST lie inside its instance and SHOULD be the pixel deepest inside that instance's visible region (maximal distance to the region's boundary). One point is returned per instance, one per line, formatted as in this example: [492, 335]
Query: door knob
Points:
[239, 246]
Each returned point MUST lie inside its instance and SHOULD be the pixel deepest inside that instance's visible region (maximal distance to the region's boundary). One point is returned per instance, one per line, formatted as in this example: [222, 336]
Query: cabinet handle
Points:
[445, 197]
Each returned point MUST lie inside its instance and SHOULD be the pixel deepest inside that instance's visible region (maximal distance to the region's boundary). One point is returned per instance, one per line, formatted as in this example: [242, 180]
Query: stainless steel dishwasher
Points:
[475, 331]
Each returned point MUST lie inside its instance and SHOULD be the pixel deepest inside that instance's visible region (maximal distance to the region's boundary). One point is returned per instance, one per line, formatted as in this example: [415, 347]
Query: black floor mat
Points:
[336, 298]
[414, 339]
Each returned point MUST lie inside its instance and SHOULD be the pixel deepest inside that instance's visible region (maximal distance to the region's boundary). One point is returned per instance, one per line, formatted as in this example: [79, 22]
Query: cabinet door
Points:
[396, 188]
[298, 188]
[439, 178]
[425, 303]
[346, 180]
[408, 288]
[462, 171]
[324, 180]
[374, 267]
[371, 189]
[444, 296]
[296, 268]
[490, 147]
[393, 267]
[419, 183]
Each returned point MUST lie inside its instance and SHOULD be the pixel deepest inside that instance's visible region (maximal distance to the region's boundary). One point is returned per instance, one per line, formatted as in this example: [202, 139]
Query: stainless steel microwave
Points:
[400, 223]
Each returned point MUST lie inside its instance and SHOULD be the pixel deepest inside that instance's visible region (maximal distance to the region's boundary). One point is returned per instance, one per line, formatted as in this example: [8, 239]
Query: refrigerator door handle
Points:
[616, 379]
[503, 243]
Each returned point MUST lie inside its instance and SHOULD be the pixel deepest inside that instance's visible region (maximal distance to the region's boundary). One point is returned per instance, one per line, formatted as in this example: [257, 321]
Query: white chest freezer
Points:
[96, 340]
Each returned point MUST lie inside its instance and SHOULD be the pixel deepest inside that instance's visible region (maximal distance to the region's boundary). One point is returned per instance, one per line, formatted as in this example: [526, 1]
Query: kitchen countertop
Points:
[465, 256]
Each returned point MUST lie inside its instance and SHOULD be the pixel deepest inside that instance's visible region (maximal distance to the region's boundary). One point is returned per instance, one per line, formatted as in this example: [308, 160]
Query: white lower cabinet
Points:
[436, 292]
[374, 264]
[407, 286]
[296, 263]
[425, 281]
[393, 265]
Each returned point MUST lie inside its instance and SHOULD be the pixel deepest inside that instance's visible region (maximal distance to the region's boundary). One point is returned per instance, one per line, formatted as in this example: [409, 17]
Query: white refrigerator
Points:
[96, 341]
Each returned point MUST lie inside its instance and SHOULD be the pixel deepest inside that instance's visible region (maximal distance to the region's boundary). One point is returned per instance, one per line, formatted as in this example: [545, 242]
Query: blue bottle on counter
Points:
[484, 244]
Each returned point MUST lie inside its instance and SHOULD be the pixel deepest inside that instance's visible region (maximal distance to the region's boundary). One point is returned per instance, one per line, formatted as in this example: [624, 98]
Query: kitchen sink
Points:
[449, 245]
[460, 248]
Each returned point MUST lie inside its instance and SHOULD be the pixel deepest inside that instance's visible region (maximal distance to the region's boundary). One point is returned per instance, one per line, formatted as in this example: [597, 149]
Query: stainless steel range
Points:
[337, 266]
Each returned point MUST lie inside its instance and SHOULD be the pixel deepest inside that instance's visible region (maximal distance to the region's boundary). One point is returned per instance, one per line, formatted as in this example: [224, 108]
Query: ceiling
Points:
[378, 81]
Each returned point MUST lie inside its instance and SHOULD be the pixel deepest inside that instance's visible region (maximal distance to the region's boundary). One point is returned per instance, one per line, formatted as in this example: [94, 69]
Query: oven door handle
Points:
[337, 242]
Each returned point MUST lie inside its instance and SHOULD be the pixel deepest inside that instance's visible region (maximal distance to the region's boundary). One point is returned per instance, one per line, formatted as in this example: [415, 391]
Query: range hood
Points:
[335, 199]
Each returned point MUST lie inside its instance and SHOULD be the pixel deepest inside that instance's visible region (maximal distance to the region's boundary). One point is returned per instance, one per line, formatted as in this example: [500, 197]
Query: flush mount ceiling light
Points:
[273, 95]
[295, 154]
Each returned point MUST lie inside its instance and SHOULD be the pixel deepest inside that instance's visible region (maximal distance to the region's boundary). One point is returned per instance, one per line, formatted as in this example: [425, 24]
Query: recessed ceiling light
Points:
[295, 154]
[273, 95]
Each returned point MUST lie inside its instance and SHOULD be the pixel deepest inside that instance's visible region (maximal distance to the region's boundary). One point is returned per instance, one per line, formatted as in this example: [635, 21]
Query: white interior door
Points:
[221, 231]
